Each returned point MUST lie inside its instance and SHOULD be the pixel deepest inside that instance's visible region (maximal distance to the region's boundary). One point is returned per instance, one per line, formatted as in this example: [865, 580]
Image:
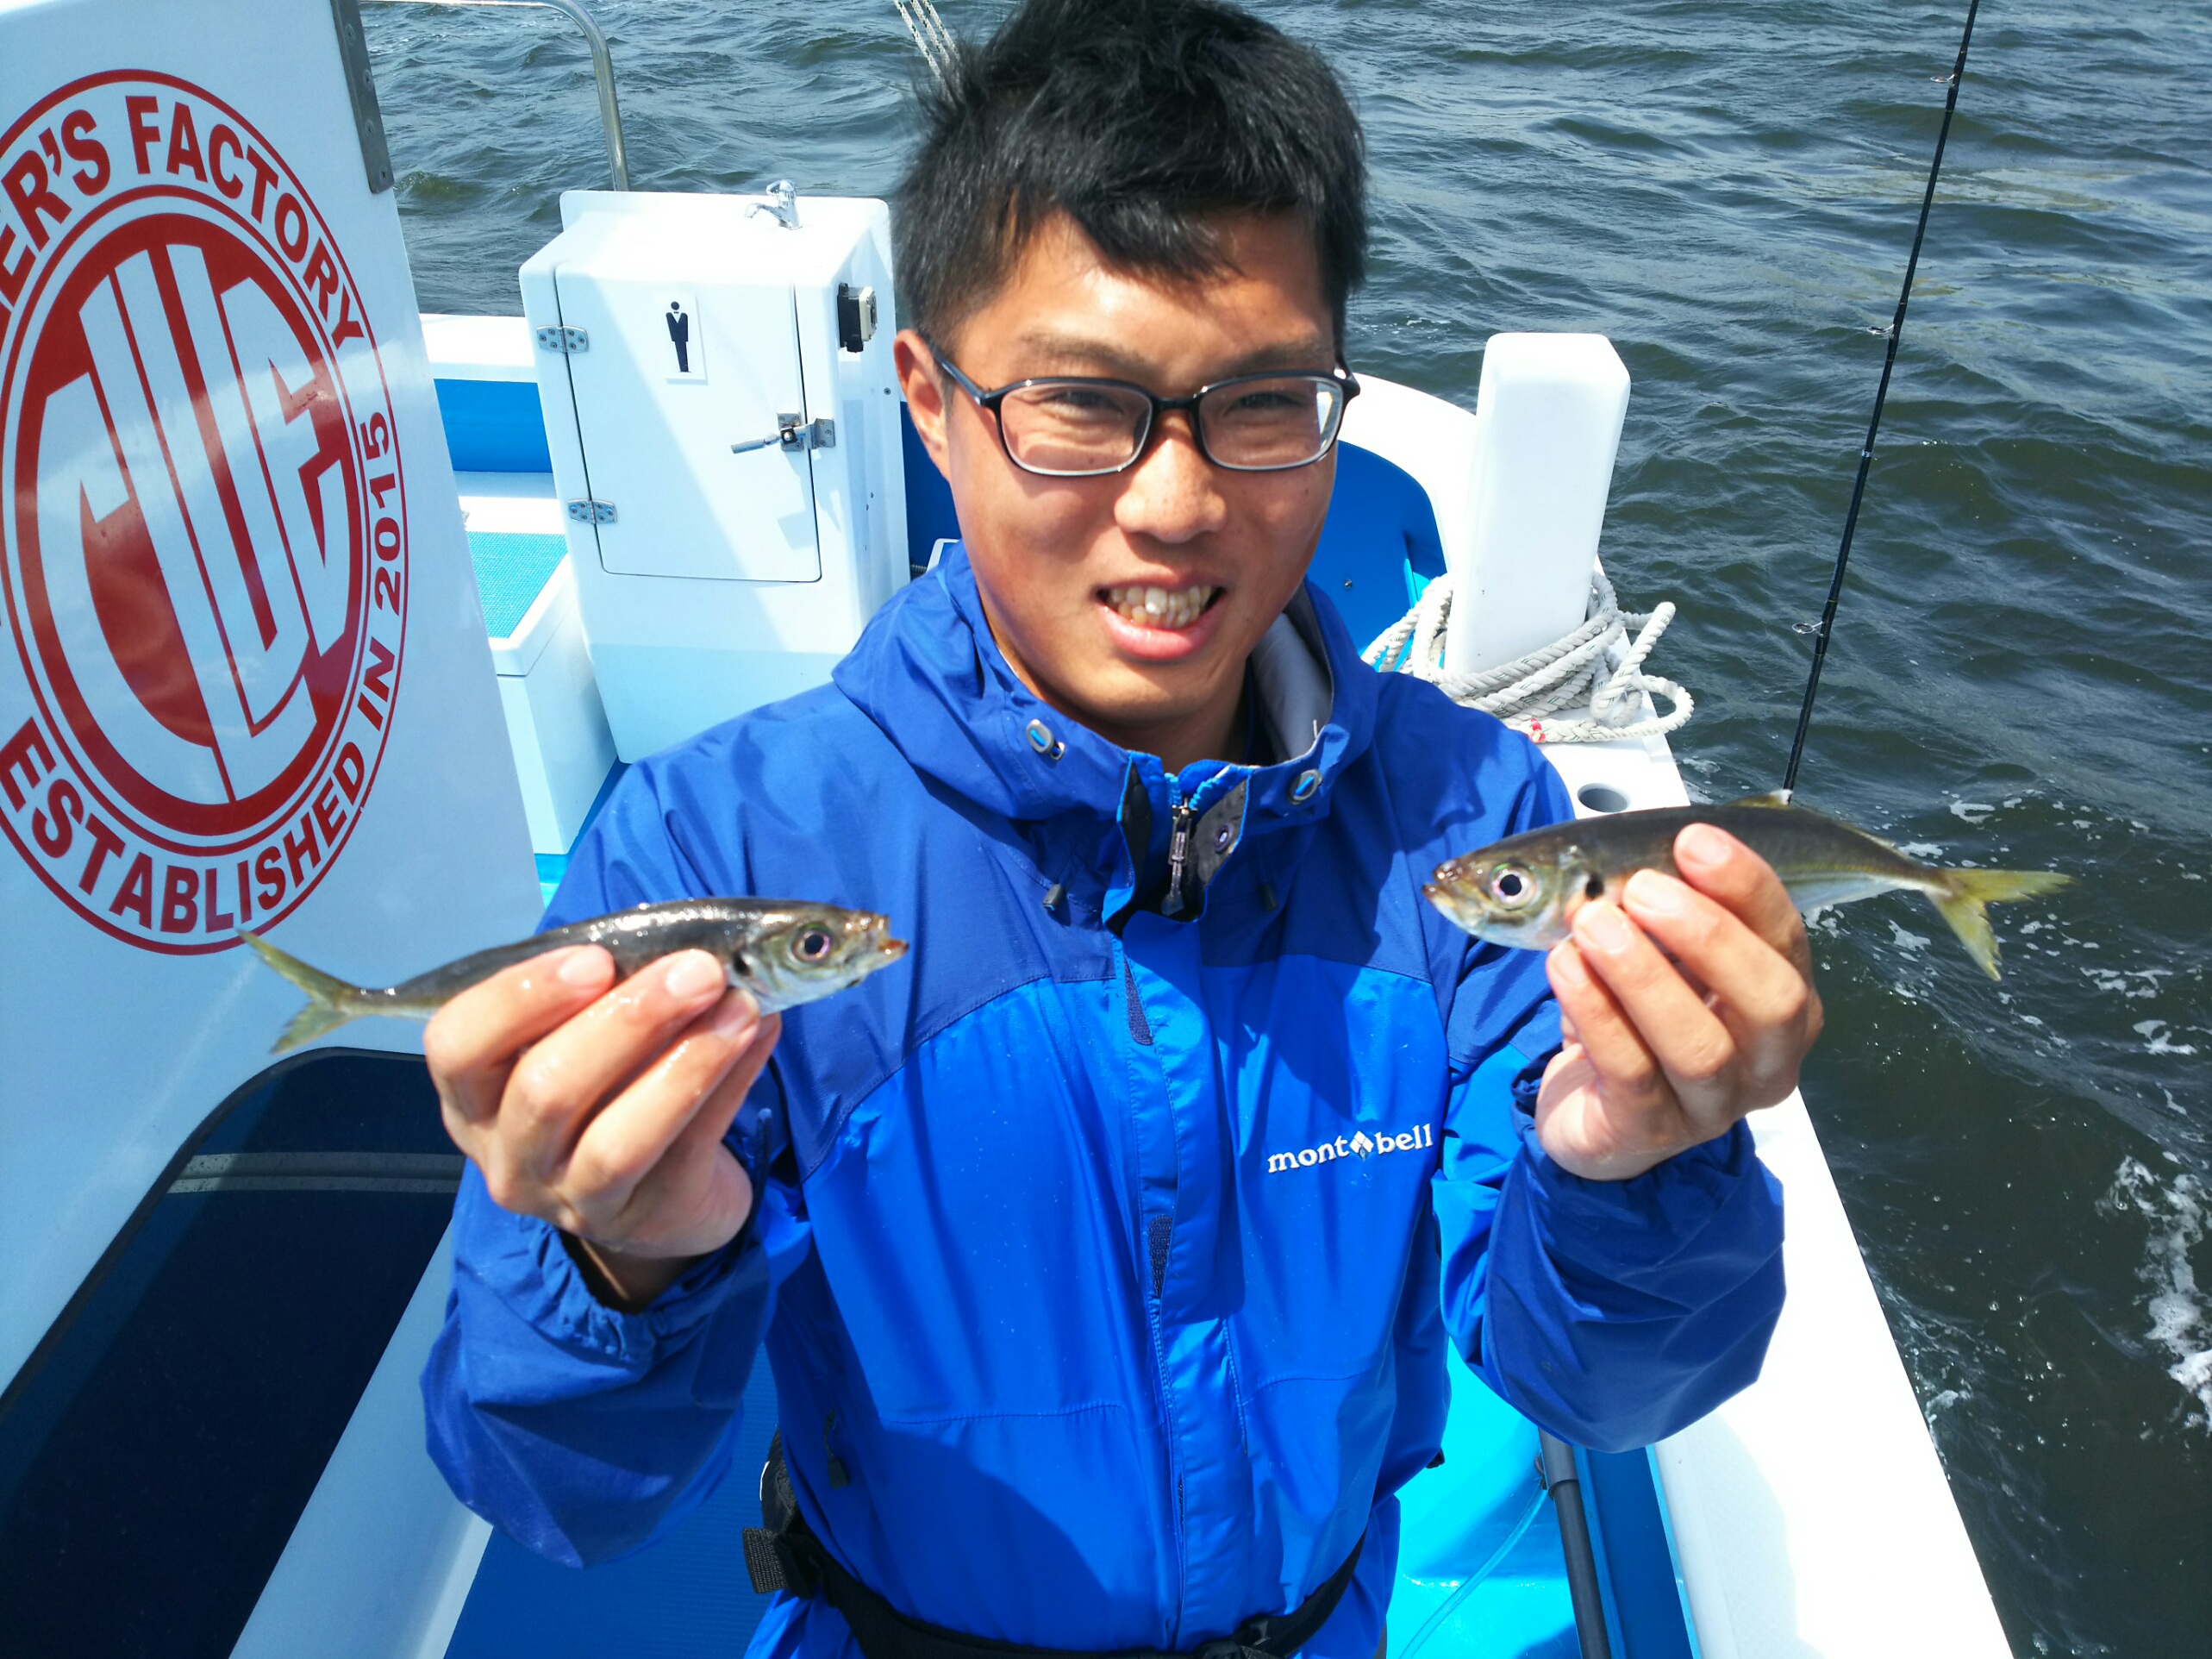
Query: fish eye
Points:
[813, 945]
[1512, 887]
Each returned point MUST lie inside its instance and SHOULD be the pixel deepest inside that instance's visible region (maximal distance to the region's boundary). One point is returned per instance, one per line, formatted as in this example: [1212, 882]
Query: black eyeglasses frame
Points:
[990, 401]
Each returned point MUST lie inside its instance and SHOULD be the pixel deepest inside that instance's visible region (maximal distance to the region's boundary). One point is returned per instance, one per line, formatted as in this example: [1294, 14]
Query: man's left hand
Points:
[1685, 1006]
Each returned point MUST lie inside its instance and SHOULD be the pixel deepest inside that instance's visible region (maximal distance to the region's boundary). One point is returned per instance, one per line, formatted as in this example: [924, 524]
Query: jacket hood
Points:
[928, 672]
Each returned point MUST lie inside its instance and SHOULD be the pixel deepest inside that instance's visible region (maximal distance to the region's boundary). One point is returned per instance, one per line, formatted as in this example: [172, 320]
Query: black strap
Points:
[784, 1554]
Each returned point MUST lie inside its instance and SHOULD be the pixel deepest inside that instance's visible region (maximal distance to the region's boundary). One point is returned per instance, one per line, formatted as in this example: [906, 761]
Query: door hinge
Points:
[564, 339]
[588, 511]
[793, 432]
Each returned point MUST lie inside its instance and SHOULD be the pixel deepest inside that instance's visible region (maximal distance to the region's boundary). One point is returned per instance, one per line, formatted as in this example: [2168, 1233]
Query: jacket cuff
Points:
[524, 1263]
[1651, 1221]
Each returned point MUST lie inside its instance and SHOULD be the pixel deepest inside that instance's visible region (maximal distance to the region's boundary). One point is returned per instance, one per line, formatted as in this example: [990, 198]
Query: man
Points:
[1104, 1250]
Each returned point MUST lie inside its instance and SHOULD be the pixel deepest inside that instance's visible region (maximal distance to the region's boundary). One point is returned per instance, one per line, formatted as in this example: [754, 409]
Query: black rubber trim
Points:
[361, 88]
[185, 1152]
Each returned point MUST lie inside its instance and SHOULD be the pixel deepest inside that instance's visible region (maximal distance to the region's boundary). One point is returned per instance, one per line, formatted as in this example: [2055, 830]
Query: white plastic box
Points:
[555, 725]
[1547, 421]
[669, 331]
[1519, 486]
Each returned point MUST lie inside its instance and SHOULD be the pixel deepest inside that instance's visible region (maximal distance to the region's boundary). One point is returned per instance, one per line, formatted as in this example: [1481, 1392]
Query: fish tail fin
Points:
[330, 1001]
[1967, 891]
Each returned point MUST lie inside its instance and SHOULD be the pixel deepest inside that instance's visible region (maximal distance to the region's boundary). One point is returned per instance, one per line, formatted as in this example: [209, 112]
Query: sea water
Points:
[2019, 674]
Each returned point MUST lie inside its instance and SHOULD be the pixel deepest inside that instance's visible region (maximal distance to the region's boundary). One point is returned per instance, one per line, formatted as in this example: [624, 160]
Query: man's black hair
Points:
[1141, 120]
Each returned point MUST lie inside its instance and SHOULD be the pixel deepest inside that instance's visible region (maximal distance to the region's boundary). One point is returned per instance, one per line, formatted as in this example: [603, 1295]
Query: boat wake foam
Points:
[2181, 1316]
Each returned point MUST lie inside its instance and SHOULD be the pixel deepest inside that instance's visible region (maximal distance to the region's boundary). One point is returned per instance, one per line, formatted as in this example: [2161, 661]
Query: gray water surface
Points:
[2019, 672]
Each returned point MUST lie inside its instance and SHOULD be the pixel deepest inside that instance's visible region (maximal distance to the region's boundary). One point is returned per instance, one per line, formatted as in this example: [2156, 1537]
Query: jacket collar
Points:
[928, 672]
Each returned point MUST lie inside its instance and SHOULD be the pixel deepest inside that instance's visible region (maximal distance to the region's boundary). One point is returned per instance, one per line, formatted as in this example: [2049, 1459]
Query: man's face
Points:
[1063, 564]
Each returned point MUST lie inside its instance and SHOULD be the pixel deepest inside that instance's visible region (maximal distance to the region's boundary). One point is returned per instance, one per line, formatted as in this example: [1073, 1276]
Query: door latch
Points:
[856, 316]
[794, 433]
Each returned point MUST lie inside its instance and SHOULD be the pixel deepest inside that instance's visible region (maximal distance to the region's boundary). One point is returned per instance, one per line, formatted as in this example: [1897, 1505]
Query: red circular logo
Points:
[205, 539]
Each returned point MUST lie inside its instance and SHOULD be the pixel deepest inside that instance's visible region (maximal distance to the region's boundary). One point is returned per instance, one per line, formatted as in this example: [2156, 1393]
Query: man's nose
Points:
[1174, 493]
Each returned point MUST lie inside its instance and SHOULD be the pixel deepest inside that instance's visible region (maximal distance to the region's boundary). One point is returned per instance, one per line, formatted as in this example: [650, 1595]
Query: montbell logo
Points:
[1362, 1145]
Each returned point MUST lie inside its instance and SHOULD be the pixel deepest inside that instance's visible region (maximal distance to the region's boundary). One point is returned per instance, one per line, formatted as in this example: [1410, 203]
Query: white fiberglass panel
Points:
[1811, 1512]
[243, 675]
[675, 373]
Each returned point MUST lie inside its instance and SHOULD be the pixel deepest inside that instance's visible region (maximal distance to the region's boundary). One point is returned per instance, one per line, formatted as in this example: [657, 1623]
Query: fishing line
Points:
[1827, 623]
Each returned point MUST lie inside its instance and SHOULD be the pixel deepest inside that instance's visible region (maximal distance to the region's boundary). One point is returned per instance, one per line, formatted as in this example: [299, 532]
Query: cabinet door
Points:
[677, 372]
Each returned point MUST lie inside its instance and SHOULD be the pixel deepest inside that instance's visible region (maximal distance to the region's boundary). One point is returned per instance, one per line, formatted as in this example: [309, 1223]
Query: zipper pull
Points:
[1182, 816]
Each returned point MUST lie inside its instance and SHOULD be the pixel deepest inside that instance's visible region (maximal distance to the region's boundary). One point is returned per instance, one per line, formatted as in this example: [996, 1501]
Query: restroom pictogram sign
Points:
[203, 517]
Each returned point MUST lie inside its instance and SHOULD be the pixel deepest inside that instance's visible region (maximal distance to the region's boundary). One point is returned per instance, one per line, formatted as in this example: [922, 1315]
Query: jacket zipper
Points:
[1159, 1329]
[1181, 815]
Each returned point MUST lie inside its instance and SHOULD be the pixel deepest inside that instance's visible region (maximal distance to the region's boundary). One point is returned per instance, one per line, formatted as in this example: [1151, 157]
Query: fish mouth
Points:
[880, 943]
[1464, 911]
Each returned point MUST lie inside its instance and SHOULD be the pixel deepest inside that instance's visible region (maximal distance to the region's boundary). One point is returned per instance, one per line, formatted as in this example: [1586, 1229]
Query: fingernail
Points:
[737, 1015]
[581, 967]
[1604, 926]
[1702, 844]
[1657, 894]
[693, 974]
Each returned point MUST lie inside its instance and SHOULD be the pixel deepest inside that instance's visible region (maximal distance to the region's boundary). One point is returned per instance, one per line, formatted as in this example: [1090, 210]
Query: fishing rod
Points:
[1555, 1464]
[1821, 629]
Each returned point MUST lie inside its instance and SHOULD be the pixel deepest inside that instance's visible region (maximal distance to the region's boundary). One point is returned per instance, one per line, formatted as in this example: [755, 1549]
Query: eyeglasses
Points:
[1075, 426]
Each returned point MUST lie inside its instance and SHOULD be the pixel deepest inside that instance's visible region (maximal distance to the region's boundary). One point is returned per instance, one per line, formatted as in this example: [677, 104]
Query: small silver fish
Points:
[784, 952]
[1525, 890]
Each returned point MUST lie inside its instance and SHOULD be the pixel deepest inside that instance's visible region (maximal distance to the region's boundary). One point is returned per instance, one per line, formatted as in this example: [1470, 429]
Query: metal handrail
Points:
[603, 70]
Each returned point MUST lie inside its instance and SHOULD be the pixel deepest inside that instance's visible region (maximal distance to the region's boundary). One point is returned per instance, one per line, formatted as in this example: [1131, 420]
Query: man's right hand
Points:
[600, 1108]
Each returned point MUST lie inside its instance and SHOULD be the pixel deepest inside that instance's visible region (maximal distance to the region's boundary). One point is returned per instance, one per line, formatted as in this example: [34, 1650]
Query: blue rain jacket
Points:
[1106, 1248]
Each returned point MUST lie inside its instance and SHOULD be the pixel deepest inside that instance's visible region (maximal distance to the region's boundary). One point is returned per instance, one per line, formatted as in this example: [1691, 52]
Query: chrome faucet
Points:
[782, 205]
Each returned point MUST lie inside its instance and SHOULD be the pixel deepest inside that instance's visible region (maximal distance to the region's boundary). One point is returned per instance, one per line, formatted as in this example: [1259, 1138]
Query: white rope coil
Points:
[1573, 673]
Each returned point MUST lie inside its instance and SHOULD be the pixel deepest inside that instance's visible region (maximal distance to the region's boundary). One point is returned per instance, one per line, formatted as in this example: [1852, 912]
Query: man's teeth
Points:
[1161, 607]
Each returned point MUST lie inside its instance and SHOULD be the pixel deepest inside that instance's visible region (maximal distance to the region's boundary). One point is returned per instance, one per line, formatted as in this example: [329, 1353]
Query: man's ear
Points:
[916, 368]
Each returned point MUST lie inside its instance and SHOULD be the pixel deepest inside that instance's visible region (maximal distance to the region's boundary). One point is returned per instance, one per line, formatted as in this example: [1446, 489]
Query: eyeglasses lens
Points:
[1265, 424]
[1072, 427]
[1067, 427]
